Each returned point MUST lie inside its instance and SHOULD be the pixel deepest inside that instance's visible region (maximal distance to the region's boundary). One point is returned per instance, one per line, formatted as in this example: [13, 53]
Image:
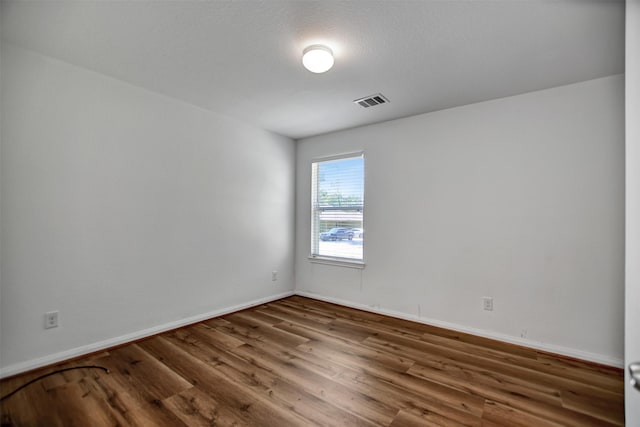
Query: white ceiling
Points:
[243, 58]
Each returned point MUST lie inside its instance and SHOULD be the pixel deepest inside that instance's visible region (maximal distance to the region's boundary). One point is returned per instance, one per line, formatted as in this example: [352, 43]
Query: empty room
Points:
[335, 213]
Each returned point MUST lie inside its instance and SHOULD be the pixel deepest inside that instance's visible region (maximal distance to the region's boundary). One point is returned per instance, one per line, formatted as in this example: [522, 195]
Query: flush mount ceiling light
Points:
[317, 58]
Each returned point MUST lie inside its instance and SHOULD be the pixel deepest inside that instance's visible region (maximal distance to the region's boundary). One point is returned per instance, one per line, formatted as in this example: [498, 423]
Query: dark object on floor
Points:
[48, 375]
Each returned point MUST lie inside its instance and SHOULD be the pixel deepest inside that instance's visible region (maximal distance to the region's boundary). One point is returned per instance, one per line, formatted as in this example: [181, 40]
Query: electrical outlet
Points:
[51, 320]
[487, 303]
[274, 275]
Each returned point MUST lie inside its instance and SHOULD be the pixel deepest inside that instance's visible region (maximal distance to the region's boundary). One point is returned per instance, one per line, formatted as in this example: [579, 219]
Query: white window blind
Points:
[337, 205]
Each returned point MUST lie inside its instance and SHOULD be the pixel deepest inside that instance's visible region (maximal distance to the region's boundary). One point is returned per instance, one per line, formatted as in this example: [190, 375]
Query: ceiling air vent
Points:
[372, 100]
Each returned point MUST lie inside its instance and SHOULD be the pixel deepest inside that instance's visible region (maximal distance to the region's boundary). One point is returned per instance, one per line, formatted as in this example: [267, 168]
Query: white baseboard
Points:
[39, 362]
[551, 348]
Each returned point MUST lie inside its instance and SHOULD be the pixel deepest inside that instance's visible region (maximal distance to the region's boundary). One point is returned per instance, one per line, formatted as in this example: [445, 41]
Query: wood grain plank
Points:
[135, 367]
[303, 392]
[195, 408]
[373, 367]
[338, 347]
[500, 414]
[425, 405]
[316, 364]
[398, 396]
[346, 405]
[522, 403]
[243, 402]
[602, 405]
[425, 418]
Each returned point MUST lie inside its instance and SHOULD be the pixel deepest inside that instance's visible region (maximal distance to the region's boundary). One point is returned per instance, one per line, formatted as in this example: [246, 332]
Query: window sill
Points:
[338, 262]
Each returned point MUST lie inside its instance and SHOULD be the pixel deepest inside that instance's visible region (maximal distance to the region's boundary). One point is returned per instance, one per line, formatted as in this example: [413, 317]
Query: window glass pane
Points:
[338, 208]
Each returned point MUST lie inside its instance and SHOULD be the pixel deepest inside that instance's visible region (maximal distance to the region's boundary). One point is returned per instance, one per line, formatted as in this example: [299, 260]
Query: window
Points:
[337, 208]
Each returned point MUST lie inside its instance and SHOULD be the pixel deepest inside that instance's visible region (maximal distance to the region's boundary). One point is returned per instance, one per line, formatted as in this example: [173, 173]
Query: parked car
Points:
[358, 232]
[337, 233]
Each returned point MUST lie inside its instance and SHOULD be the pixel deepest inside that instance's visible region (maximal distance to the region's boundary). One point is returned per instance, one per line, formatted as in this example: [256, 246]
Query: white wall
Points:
[520, 198]
[632, 98]
[128, 211]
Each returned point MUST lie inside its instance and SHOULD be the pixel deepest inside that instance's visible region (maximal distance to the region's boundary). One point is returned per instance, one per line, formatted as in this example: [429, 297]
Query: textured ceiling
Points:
[243, 58]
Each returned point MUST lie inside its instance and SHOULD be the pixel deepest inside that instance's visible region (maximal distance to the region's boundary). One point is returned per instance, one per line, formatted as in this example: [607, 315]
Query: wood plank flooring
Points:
[299, 362]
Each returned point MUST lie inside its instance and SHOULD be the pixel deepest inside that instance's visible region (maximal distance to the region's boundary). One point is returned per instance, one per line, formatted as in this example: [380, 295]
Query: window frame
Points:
[314, 238]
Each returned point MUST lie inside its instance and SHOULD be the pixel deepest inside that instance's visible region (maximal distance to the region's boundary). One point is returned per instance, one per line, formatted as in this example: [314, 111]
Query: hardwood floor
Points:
[298, 362]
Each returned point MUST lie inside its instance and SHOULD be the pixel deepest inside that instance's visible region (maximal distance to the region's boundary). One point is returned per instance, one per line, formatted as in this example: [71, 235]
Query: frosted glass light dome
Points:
[317, 58]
